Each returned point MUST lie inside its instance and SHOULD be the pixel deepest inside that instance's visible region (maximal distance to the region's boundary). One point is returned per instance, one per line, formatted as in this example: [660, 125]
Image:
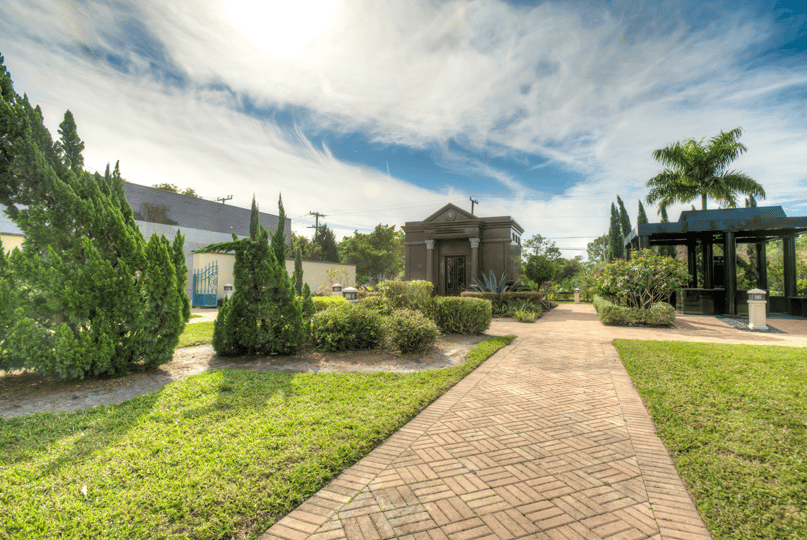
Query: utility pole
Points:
[317, 215]
[473, 202]
[223, 199]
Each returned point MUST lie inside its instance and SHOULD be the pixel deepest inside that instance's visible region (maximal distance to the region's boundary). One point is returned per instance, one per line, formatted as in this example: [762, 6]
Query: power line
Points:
[317, 215]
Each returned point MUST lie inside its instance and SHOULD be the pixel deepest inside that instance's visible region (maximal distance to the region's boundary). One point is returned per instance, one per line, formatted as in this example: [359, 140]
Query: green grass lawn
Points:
[219, 455]
[734, 418]
[196, 334]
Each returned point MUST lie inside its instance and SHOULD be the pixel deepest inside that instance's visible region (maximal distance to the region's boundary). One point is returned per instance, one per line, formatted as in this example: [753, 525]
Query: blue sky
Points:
[382, 112]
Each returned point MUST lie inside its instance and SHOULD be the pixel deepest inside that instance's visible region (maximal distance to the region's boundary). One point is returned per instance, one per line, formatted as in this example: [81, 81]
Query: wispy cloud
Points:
[590, 89]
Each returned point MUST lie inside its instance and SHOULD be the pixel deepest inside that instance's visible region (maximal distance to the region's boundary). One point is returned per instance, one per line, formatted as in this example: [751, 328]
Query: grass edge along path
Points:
[734, 419]
[222, 454]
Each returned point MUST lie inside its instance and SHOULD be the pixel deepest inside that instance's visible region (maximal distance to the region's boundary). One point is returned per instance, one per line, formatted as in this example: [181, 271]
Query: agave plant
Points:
[489, 283]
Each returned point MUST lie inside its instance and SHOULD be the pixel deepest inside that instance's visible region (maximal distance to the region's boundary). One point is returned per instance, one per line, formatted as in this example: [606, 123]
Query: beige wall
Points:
[314, 272]
[10, 241]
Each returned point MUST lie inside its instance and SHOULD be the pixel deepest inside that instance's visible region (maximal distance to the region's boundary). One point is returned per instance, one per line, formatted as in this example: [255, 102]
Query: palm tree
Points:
[695, 168]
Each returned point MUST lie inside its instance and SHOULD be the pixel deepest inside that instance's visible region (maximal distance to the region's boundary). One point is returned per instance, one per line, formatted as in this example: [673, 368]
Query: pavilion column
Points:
[644, 242]
[430, 261]
[708, 265]
[762, 267]
[474, 259]
[730, 258]
[789, 265]
[692, 263]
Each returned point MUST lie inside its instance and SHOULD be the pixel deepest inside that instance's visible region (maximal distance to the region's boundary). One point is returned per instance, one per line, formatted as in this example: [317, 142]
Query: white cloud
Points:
[592, 90]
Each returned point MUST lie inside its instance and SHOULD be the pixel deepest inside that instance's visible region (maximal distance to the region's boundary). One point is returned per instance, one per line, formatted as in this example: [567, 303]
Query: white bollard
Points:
[336, 290]
[577, 296]
[756, 310]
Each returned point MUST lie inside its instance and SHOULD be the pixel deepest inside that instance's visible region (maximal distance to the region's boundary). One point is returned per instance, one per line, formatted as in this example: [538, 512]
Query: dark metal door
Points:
[455, 275]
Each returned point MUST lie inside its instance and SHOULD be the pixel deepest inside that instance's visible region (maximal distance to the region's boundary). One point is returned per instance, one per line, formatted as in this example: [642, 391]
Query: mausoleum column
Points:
[762, 266]
[730, 258]
[430, 260]
[474, 259]
[692, 263]
[789, 265]
[708, 264]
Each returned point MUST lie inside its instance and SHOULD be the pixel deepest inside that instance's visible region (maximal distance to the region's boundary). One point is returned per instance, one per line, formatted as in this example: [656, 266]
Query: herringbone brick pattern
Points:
[548, 439]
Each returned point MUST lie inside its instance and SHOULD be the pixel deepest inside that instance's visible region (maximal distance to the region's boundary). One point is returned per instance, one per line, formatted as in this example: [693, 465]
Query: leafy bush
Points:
[460, 315]
[410, 331]
[406, 294]
[346, 327]
[502, 304]
[378, 304]
[659, 314]
[646, 279]
[321, 303]
[526, 313]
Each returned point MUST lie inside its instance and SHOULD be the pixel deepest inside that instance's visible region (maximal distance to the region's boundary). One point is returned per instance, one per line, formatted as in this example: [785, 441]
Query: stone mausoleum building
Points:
[452, 248]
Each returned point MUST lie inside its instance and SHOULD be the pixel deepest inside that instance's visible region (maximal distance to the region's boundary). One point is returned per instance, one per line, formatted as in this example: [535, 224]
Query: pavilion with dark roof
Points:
[700, 230]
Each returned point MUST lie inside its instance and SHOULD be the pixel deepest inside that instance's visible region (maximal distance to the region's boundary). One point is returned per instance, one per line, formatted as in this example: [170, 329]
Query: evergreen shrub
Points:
[410, 331]
[378, 304]
[321, 303]
[659, 314]
[460, 315]
[406, 294]
[646, 279]
[503, 304]
[345, 328]
[90, 295]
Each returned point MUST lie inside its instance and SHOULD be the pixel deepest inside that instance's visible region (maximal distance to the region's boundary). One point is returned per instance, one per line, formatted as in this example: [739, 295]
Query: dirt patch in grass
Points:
[27, 393]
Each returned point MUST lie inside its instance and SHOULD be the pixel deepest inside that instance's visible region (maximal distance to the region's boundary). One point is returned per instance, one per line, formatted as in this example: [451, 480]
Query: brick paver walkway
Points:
[547, 439]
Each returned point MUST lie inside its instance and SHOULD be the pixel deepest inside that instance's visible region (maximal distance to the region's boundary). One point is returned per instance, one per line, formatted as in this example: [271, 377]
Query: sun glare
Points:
[282, 27]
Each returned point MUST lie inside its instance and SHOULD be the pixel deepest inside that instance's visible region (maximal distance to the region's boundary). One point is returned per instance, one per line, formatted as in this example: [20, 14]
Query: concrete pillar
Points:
[692, 263]
[708, 265]
[430, 261]
[730, 258]
[475, 259]
[762, 266]
[789, 264]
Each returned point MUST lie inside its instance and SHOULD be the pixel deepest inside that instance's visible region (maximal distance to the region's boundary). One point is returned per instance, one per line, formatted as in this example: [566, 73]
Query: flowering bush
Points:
[644, 280]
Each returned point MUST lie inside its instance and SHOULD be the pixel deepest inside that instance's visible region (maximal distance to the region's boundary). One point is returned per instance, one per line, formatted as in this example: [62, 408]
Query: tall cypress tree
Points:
[92, 296]
[263, 316]
[624, 219]
[70, 144]
[617, 246]
[641, 219]
[279, 237]
[298, 272]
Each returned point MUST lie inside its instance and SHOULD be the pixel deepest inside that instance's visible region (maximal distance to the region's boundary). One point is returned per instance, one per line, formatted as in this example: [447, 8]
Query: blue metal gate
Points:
[206, 286]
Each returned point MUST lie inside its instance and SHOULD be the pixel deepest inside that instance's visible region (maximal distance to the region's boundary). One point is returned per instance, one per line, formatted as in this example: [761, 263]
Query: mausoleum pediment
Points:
[450, 213]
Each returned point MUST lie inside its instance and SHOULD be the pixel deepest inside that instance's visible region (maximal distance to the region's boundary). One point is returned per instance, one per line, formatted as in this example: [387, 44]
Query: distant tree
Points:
[538, 245]
[697, 169]
[540, 269]
[624, 219]
[597, 249]
[616, 240]
[377, 254]
[641, 219]
[567, 269]
[190, 192]
[301, 243]
[70, 144]
[324, 245]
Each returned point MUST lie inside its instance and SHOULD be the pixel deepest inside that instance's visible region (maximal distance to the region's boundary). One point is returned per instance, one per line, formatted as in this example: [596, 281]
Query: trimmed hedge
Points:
[460, 315]
[406, 294]
[378, 304]
[321, 303]
[346, 327]
[659, 314]
[504, 303]
[410, 331]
